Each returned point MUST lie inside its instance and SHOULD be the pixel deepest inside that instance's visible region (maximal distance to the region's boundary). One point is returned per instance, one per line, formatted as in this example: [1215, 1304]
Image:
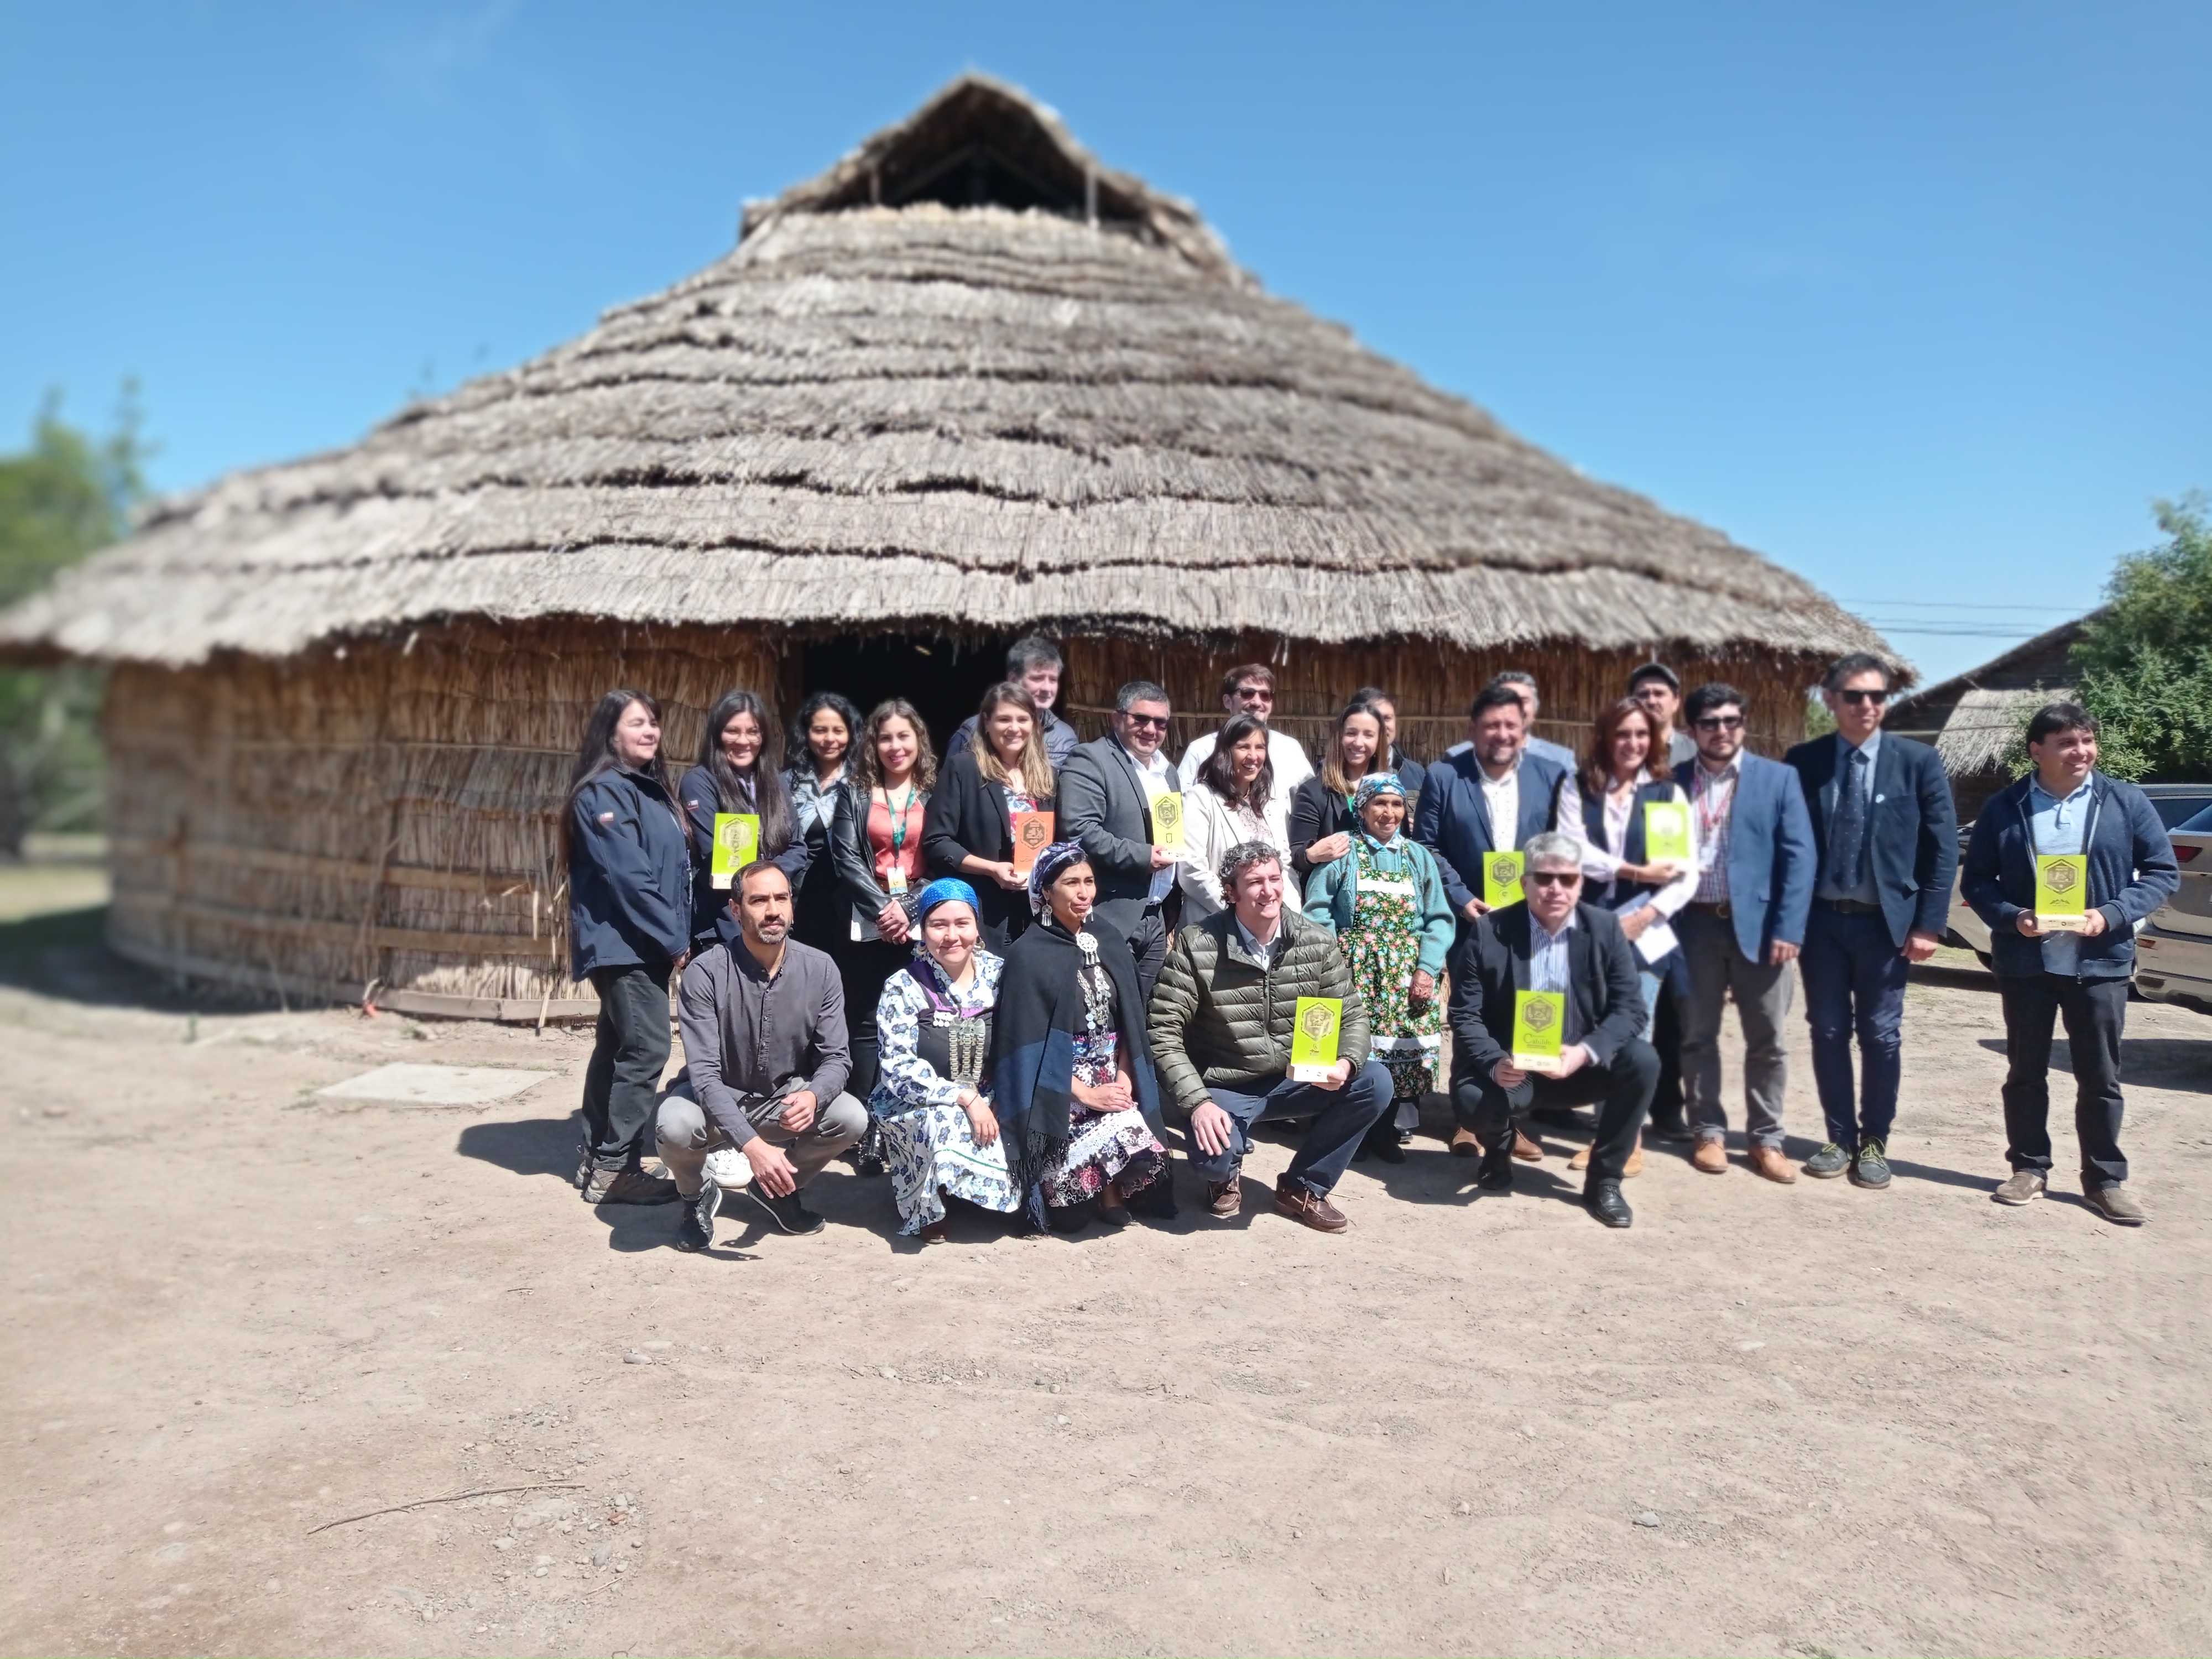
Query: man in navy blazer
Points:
[1741, 928]
[1470, 789]
[2067, 807]
[1886, 838]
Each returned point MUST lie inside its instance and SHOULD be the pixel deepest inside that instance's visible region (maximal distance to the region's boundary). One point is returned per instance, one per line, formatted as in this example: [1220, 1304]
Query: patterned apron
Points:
[1384, 949]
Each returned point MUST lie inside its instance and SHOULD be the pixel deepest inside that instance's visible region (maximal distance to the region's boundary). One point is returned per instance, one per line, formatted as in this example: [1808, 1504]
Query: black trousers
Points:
[863, 965]
[1667, 1102]
[1148, 944]
[1621, 1088]
[629, 1051]
[2095, 1012]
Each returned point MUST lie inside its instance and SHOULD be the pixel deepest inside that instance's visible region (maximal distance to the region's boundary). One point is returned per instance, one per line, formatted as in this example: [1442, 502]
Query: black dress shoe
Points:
[695, 1231]
[1067, 1218]
[1670, 1127]
[1495, 1174]
[1381, 1143]
[1603, 1200]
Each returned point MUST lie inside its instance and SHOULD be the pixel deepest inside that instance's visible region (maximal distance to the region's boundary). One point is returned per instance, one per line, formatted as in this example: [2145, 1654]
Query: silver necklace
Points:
[1097, 992]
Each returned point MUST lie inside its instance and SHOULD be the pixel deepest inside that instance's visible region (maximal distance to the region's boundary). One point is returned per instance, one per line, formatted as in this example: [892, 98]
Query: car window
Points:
[2202, 821]
[2179, 811]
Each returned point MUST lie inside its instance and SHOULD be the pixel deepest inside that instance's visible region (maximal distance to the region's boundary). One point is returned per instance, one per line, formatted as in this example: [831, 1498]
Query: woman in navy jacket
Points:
[2067, 805]
[736, 773]
[629, 879]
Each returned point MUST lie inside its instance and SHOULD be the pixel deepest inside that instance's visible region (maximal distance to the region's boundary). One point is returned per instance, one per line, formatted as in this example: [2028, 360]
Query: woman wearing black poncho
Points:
[1078, 1110]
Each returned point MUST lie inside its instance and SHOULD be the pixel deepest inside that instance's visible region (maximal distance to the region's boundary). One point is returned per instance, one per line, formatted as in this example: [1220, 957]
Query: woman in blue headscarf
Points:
[1076, 1097]
[932, 1094]
[1385, 901]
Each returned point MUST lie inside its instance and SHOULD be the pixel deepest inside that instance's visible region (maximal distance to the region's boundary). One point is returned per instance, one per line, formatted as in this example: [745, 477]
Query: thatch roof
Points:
[1976, 718]
[889, 407]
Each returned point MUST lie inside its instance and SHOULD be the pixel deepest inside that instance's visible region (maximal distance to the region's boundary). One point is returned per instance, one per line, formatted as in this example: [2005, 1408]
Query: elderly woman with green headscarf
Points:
[1385, 901]
[932, 1094]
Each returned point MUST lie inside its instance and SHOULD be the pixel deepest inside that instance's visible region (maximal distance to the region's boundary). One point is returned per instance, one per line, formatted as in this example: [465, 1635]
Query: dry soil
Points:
[1808, 1420]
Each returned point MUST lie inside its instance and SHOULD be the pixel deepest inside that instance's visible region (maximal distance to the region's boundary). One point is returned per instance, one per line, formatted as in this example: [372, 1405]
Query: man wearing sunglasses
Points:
[1250, 689]
[1741, 928]
[1106, 794]
[1886, 836]
[1551, 941]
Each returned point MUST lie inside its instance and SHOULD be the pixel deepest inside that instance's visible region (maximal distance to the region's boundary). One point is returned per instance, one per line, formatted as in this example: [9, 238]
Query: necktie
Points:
[1847, 829]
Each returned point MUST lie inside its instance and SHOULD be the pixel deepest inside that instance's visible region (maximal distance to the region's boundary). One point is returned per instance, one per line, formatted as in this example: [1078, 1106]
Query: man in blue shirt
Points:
[2067, 807]
[1886, 839]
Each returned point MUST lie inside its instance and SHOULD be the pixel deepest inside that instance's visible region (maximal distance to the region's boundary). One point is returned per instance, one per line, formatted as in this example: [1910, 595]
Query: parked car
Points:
[2175, 803]
[2173, 951]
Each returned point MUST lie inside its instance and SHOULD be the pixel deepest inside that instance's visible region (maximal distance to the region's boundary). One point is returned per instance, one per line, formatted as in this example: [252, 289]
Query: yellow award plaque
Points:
[1315, 1028]
[1501, 879]
[1665, 832]
[1540, 1019]
[1167, 822]
[2061, 891]
[737, 843]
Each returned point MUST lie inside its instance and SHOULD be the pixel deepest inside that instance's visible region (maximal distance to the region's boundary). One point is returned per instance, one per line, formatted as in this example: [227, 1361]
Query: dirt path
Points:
[1905, 1423]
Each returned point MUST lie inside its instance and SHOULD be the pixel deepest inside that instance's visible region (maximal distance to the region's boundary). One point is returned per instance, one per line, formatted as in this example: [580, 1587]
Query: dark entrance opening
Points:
[943, 678]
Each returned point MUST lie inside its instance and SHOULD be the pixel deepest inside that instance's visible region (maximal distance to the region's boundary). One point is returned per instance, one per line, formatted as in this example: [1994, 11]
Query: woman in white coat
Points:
[1235, 799]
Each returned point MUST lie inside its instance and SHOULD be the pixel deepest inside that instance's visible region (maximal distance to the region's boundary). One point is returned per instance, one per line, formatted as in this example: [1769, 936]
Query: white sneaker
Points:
[728, 1169]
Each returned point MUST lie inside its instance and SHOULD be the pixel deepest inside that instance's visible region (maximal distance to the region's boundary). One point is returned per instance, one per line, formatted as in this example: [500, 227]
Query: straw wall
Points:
[317, 822]
[383, 814]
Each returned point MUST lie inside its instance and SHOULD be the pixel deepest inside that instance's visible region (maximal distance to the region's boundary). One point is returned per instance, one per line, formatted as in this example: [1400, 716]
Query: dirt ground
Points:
[1807, 1420]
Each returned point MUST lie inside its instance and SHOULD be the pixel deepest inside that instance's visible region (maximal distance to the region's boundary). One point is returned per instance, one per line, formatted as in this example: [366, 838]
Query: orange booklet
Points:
[1032, 835]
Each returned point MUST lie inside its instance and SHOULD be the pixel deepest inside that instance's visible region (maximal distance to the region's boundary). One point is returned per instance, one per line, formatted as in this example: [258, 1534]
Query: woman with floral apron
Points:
[1385, 901]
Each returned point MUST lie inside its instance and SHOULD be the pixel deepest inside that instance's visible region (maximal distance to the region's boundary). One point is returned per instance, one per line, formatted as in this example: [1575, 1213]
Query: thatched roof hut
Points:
[1976, 718]
[968, 383]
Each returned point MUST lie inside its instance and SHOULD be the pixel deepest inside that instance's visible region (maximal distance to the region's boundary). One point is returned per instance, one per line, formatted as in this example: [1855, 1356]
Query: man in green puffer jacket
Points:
[1221, 1026]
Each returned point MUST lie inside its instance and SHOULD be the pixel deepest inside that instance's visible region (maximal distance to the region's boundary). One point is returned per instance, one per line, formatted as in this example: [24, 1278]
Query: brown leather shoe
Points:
[1580, 1159]
[1225, 1199]
[1464, 1145]
[1711, 1155]
[1527, 1149]
[1301, 1203]
[1768, 1161]
[1635, 1165]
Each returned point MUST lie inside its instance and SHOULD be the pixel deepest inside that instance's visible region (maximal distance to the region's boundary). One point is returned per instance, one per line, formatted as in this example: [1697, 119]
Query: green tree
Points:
[64, 497]
[2146, 659]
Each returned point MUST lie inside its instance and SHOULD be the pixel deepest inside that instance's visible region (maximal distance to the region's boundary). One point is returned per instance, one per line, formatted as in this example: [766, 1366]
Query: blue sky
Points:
[1911, 299]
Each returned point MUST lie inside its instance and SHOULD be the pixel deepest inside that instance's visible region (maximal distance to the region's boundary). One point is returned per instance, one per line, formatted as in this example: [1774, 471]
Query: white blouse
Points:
[1211, 827]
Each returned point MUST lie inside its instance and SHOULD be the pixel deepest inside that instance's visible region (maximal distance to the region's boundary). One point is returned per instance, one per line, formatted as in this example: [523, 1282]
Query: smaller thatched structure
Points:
[1975, 719]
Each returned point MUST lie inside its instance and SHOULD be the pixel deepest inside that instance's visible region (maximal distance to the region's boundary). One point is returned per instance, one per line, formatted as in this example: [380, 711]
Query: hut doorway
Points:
[943, 678]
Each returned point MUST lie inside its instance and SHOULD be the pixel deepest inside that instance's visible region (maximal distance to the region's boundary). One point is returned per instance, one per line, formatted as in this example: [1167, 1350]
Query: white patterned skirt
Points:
[931, 1149]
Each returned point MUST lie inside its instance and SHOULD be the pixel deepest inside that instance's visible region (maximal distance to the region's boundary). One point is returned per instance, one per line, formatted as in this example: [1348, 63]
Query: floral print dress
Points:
[929, 1146]
[1102, 1146]
[1383, 948]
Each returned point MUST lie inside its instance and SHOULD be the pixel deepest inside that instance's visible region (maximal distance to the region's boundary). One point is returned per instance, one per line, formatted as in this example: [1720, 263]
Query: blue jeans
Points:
[1854, 979]
[1341, 1119]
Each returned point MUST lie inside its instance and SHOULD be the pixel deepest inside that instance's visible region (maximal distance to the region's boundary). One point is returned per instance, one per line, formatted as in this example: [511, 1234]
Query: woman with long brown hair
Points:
[737, 772]
[1321, 823]
[876, 843]
[622, 846]
[967, 831]
[1234, 801]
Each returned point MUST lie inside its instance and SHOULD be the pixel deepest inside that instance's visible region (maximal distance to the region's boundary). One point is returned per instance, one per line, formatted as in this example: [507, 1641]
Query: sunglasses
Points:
[1553, 878]
[1150, 722]
[1720, 723]
[1877, 698]
[1254, 694]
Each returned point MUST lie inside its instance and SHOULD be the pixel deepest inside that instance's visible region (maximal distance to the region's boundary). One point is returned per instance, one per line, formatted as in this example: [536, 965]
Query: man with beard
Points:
[766, 1063]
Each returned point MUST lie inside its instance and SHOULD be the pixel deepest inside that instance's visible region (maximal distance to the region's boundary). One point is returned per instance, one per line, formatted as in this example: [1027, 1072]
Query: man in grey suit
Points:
[1106, 794]
[1886, 837]
[1743, 928]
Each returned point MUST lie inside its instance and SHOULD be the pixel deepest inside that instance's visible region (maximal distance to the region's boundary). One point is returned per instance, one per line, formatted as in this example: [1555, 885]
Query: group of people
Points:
[996, 980]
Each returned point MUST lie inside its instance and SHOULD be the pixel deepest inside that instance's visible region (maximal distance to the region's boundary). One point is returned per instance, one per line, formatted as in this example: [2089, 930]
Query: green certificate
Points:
[1501, 879]
[1665, 832]
[1315, 1028]
[2061, 891]
[1538, 1020]
[737, 843]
